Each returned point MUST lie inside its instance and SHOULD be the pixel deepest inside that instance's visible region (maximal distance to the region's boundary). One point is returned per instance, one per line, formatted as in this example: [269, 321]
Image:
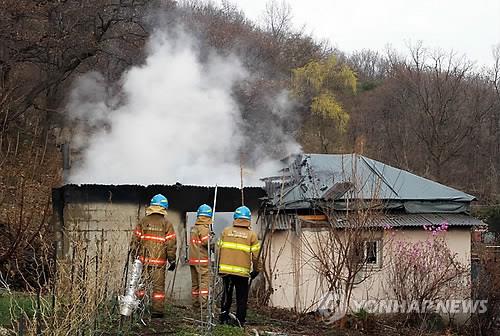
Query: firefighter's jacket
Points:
[154, 239]
[198, 246]
[239, 249]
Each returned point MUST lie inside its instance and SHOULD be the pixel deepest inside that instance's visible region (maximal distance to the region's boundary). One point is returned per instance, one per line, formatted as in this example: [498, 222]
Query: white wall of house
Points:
[296, 283]
[377, 286]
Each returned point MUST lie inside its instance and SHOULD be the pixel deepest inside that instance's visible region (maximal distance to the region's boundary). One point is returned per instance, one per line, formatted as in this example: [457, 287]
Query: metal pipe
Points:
[213, 266]
[129, 302]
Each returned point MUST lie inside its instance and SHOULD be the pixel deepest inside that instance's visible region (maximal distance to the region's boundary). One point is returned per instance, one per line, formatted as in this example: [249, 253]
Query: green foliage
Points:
[226, 330]
[491, 215]
[257, 315]
[185, 333]
[4, 310]
[367, 86]
[319, 81]
[326, 106]
[325, 75]
[14, 306]
[435, 322]
[361, 314]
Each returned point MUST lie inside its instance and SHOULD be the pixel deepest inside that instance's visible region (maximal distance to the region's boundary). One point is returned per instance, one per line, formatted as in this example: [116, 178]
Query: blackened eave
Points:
[182, 198]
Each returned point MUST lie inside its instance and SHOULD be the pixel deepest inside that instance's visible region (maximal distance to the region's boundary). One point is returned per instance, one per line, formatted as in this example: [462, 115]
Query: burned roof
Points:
[181, 197]
[340, 177]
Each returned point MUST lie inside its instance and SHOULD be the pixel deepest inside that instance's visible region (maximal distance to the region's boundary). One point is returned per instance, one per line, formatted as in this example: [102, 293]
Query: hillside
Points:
[161, 91]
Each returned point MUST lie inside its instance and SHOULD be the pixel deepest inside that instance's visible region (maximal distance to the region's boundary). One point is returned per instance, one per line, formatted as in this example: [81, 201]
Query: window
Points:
[369, 253]
[368, 256]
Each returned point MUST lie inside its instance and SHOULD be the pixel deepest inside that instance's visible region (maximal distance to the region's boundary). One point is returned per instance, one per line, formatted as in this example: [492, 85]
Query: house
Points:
[93, 224]
[315, 192]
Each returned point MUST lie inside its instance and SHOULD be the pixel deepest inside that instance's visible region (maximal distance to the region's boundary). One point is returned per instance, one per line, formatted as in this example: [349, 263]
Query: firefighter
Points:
[155, 244]
[238, 260]
[198, 257]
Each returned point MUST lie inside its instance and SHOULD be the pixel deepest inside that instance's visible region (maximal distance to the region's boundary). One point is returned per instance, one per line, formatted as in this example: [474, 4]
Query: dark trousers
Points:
[241, 285]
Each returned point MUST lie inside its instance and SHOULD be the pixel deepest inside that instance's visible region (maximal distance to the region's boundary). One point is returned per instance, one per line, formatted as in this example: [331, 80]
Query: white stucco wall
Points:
[376, 286]
[297, 285]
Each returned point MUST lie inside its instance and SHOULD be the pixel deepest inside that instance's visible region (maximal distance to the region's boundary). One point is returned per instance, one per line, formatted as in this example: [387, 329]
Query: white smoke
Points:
[174, 120]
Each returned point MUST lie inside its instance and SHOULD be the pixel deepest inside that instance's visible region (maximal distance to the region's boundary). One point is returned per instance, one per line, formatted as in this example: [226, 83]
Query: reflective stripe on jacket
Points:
[154, 238]
[198, 241]
[238, 249]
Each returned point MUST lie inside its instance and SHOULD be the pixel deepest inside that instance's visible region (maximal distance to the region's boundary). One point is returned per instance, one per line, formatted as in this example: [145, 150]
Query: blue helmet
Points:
[204, 210]
[159, 200]
[242, 213]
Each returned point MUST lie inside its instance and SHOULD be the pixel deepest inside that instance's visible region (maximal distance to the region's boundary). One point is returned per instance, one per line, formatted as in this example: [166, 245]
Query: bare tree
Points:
[43, 44]
[278, 20]
[369, 65]
[442, 92]
[345, 252]
[496, 70]
[51, 40]
[494, 129]
[431, 114]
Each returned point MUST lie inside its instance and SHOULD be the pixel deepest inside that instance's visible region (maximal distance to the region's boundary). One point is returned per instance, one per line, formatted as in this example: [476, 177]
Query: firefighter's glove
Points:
[171, 267]
[254, 274]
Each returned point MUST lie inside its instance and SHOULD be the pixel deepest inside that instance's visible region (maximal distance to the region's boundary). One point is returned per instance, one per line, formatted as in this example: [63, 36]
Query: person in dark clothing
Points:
[238, 254]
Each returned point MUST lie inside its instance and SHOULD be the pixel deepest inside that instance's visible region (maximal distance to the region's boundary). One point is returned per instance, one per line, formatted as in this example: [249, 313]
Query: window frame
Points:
[378, 254]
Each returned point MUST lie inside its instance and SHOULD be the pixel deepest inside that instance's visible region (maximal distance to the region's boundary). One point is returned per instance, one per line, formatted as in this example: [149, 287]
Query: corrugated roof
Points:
[410, 220]
[280, 222]
[434, 219]
[325, 176]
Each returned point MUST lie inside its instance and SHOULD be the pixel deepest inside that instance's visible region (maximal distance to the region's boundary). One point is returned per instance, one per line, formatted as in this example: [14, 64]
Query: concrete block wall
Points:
[106, 229]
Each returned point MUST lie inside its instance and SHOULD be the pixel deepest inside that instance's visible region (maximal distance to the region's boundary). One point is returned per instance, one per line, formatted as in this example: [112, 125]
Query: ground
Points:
[267, 321]
[180, 320]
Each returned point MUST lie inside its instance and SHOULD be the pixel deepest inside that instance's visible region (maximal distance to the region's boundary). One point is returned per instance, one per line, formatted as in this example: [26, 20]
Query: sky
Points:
[467, 27]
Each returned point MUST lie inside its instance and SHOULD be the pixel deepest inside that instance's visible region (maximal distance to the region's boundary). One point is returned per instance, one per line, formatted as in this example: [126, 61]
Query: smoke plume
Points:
[174, 119]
